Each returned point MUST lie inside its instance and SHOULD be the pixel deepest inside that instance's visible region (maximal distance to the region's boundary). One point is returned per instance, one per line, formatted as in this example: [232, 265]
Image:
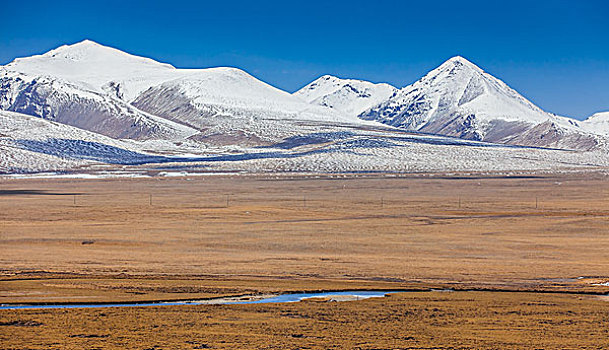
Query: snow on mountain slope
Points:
[105, 90]
[87, 85]
[97, 68]
[230, 101]
[72, 104]
[460, 99]
[349, 96]
[30, 143]
[225, 119]
[597, 123]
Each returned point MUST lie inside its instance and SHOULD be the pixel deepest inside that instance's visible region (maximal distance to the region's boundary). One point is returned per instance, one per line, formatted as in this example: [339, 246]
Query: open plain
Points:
[525, 255]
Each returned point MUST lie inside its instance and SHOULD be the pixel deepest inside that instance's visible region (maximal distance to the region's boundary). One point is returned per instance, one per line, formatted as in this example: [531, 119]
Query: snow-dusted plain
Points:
[93, 110]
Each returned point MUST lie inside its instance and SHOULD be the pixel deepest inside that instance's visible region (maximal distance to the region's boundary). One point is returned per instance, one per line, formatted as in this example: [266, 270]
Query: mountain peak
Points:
[328, 77]
[86, 52]
[91, 51]
[81, 45]
[93, 66]
[86, 42]
[459, 99]
[599, 116]
[460, 61]
[597, 123]
[349, 96]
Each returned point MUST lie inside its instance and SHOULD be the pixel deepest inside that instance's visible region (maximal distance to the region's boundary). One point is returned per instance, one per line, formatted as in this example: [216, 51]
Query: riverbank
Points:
[456, 320]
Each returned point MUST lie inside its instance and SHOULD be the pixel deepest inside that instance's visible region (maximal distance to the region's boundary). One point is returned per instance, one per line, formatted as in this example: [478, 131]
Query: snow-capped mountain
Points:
[72, 104]
[87, 85]
[349, 96]
[228, 101]
[597, 123]
[459, 99]
[113, 93]
[86, 107]
[97, 68]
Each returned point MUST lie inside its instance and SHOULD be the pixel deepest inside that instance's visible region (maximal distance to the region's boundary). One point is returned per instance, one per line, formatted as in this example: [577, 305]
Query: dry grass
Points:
[312, 229]
[303, 234]
[460, 320]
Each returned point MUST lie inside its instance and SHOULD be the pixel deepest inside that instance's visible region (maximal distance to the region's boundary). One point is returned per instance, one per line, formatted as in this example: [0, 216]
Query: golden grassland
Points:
[199, 237]
[436, 320]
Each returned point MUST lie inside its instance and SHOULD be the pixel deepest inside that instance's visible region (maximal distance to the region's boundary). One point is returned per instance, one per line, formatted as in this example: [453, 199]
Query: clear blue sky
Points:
[556, 53]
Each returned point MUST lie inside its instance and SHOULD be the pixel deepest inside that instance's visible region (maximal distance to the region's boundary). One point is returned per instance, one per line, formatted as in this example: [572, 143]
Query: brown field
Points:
[165, 239]
[459, 320]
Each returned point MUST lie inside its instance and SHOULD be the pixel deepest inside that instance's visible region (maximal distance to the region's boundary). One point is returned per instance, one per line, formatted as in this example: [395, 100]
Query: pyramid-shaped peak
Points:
[460, 61]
